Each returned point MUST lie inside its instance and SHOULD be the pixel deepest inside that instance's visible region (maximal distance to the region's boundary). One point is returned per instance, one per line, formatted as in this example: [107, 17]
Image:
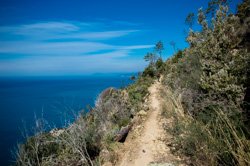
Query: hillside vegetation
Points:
[208, 84]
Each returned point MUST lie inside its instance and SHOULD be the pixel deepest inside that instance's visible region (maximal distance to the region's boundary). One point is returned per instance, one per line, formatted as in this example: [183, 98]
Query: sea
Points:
[56, 100]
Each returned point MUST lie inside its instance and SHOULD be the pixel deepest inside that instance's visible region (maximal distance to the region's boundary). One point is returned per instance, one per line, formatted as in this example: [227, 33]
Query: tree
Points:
[151, 58]
[222, 68]
[173, 44]
[213, 6]
[132, 78]
[190, 20]
[243, 10]
[159, 48]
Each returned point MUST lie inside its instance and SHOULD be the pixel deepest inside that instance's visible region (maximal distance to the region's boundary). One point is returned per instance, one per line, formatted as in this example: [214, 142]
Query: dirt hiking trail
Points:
[148, 147]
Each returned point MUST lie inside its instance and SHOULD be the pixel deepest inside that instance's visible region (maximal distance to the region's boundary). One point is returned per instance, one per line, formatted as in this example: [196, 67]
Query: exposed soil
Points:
[146, 144]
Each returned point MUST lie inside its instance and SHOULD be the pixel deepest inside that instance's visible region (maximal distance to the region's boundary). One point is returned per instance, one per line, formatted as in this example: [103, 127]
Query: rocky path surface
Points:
[148, 147]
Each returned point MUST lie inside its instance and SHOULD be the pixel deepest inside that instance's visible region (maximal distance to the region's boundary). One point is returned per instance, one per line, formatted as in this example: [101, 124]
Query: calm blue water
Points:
[53, 98]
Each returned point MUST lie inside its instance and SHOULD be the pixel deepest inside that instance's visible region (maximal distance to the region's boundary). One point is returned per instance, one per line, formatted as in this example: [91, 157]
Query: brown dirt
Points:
[146, 143]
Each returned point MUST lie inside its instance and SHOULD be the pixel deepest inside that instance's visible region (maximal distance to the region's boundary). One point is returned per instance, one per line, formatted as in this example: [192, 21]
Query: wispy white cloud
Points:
[101, 35]
[61, 48]
[57, 47]
[52, 48]
[49, 26]
[63, 65]
[62, 30]
[135, 47]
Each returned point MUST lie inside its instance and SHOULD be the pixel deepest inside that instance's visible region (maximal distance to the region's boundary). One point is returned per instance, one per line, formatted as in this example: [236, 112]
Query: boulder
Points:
[106, 92]
[56, 132]
[122, 134]
[142, 113]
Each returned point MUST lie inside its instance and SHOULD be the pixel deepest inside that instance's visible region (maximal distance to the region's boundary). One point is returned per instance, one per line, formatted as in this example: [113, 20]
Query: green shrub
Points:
[219, 142]
[177, 56]
[139, 90]
[149, 71]
[211, 77]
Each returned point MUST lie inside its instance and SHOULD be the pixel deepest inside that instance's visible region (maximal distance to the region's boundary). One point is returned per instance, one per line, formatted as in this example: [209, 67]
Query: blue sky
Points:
[78, 37]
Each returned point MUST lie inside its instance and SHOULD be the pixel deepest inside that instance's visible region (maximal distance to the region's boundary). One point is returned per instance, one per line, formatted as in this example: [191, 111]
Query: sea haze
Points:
[56, 99]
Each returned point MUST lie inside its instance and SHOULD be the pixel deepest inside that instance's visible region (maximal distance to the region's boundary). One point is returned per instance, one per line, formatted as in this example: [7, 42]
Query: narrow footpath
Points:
[148, 147]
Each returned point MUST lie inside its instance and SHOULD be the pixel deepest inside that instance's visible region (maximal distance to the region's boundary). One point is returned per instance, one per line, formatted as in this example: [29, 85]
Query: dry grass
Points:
[220, 142]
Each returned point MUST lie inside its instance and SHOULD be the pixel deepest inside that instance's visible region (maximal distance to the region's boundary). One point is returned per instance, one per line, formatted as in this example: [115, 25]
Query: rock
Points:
[122, 134]
[106, 92]
[145, 107]
[105, 157]
[132, 111]
[125, 94]
[161, 164]
[56, 132]
[142, 113]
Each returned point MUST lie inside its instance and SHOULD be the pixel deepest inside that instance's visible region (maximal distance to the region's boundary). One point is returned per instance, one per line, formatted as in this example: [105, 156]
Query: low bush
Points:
[221, 141]
[82, 141]
[210, 78]
[138, 91]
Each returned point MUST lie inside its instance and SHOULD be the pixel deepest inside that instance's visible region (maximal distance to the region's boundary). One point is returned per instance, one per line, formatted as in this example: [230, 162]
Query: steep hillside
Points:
[192, 109]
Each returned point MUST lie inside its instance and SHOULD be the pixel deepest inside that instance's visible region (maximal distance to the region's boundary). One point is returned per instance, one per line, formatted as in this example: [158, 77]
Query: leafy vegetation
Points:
[212, 78]
[84, 141]
[210, 92]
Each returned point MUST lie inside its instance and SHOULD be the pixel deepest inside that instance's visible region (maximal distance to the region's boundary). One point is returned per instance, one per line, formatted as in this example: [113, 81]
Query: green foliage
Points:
[220, 64]
[139, 90]
[243, 9]
[132, 78]
[160, 67]
[217, 143]
[151, 58]
[156, 65]
[123, 122]
[183, 70]
[177, 56]
[173, 44]
[149, 71]
[213, 6]
[159, 48]
[82, 141]
[189, 20]
[212, 77]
